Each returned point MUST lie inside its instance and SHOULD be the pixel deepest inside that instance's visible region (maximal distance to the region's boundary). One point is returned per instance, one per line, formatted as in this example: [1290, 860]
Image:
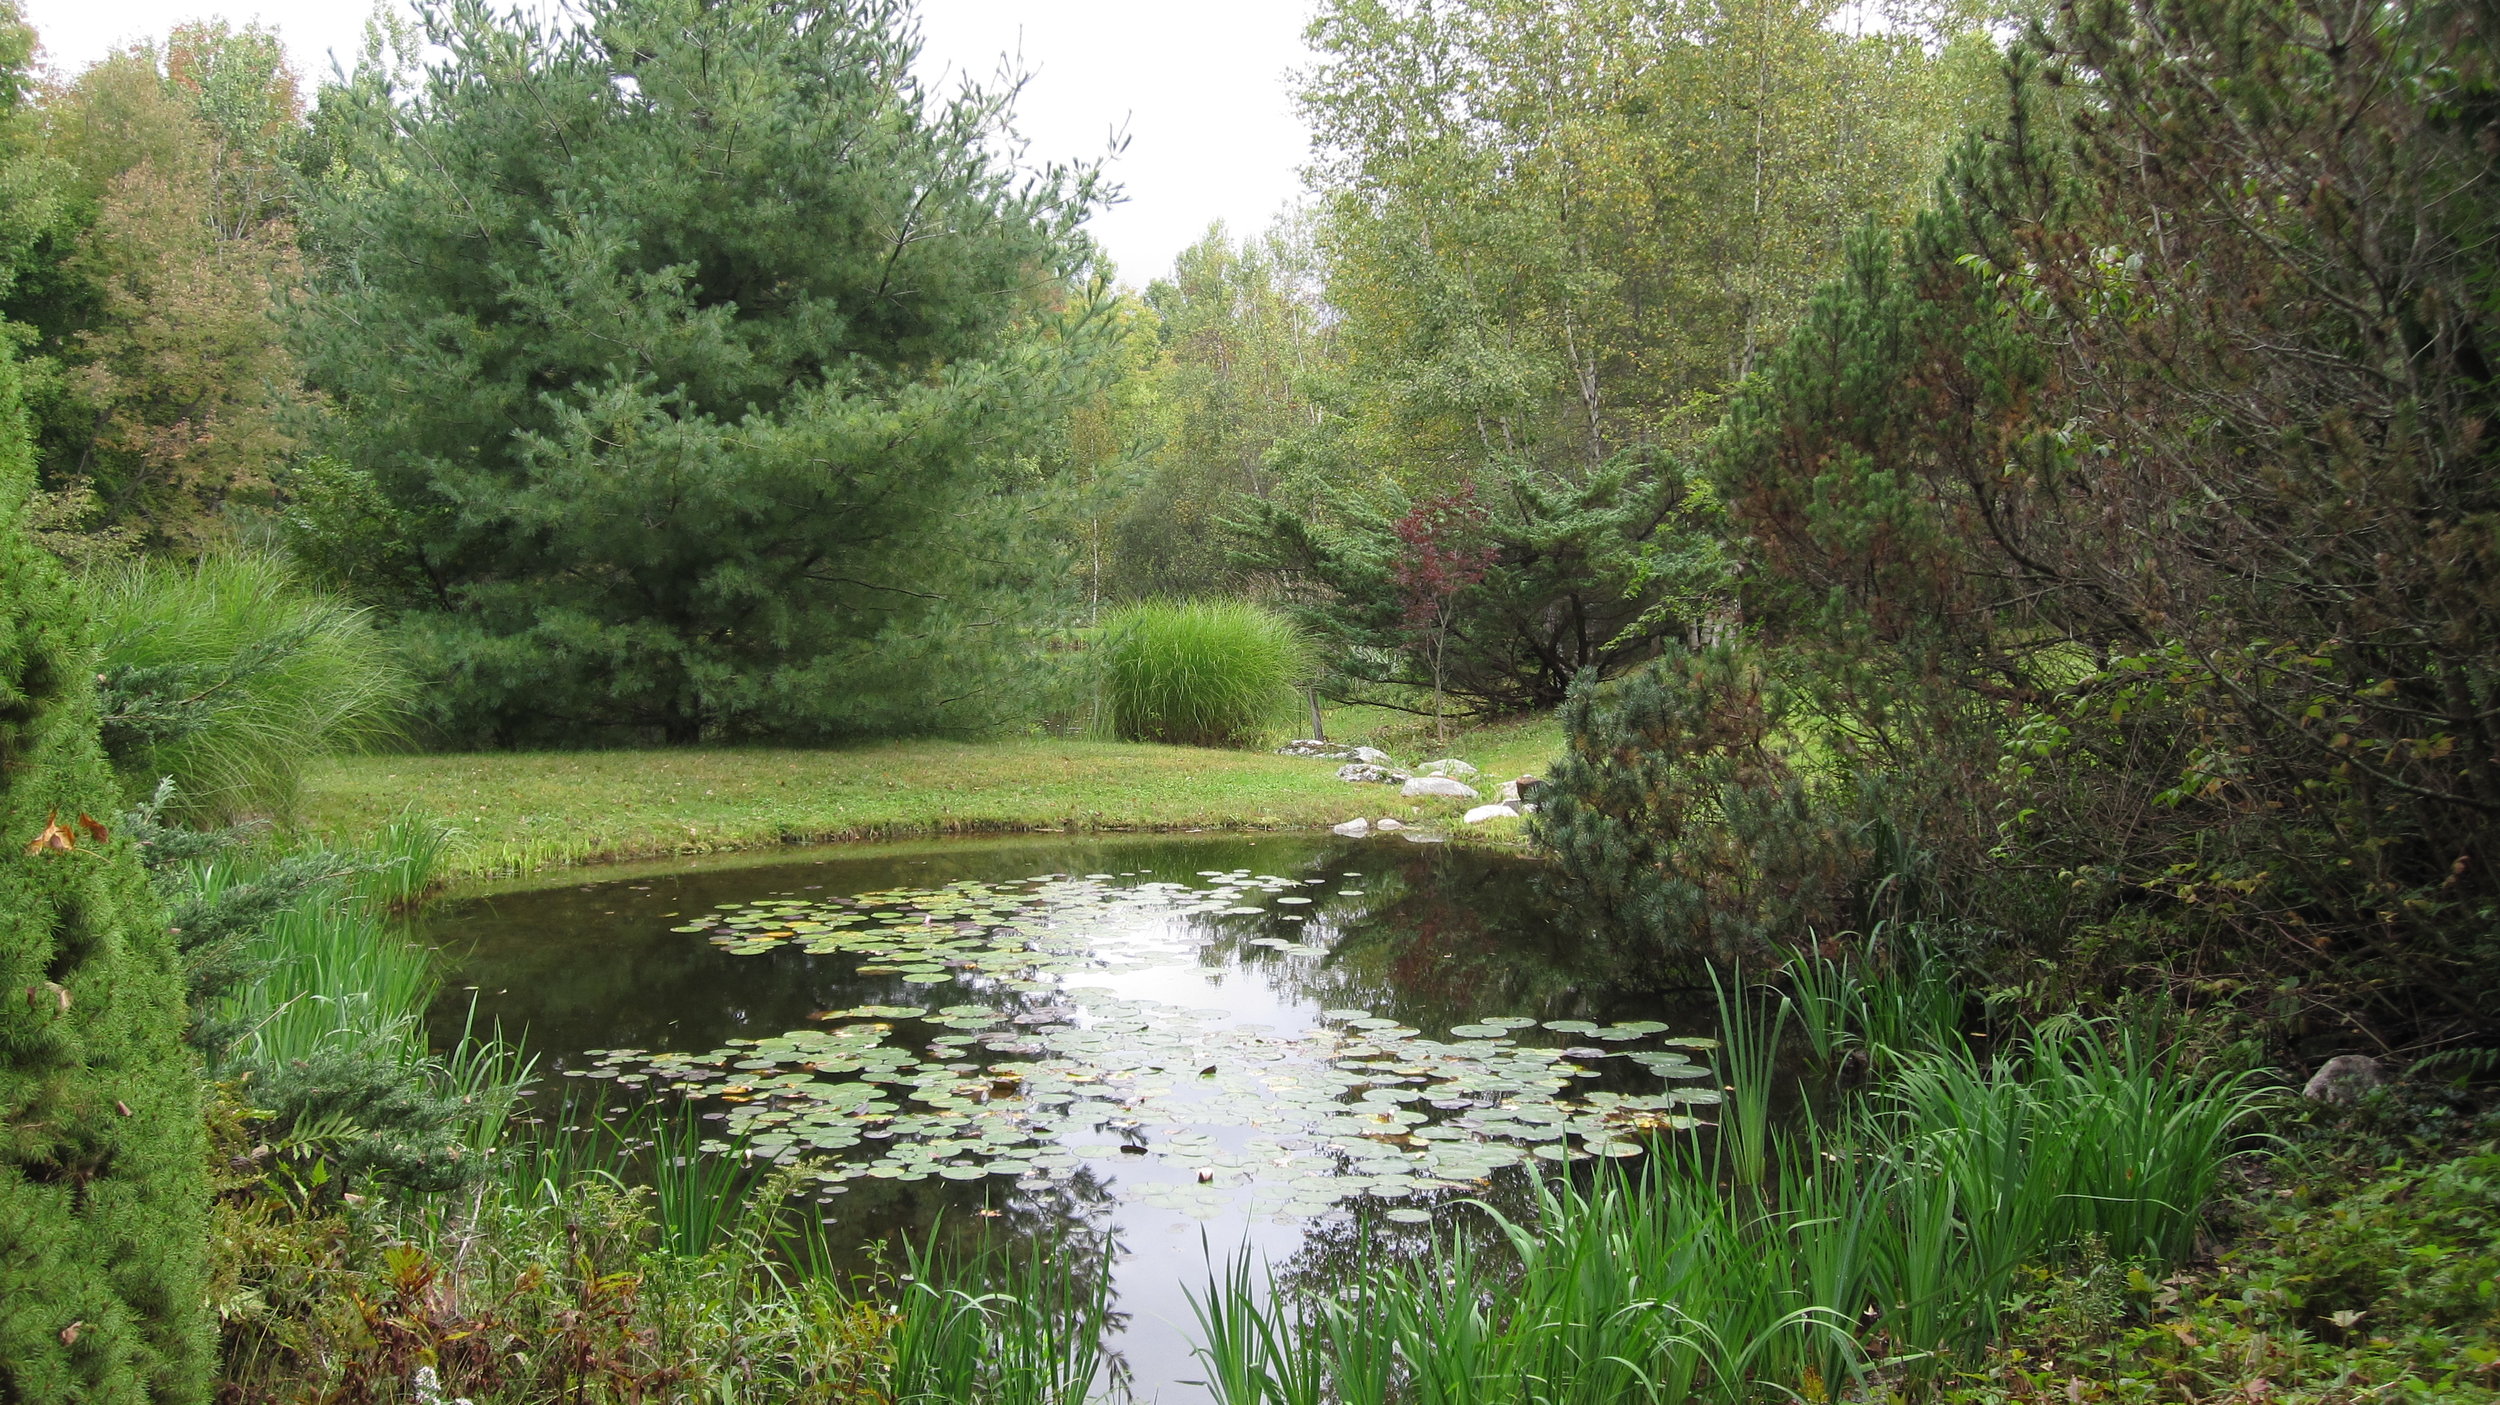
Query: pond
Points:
[1180, 1046]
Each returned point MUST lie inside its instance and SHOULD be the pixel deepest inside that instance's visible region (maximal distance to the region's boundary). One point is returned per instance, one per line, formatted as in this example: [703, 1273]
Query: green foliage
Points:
[1894, 1229]
[1236, 332]
[1200, 672]
[1586, 576]
[1555, 233]
[2154, 592]
[102, 1199]
[228, 676]
[1001, 1328]
[1682, 825]
[734, 341]
[2389, 1292]
[2419, 1248]
[159, 382]
[542, 1285]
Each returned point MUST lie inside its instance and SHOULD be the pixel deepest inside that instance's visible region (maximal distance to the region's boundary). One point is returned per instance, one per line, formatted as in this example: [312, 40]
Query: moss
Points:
[103, 1198]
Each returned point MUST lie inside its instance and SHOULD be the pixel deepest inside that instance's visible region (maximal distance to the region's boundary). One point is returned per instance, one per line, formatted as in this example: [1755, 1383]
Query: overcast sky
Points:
[1200, 89]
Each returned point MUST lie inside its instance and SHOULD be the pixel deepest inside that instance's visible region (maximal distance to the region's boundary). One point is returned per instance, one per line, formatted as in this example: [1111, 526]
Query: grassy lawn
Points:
[521, 812]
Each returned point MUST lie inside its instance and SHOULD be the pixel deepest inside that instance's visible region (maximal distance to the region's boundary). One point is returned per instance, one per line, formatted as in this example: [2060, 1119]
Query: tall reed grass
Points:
[228, 676]
[1200, 672]
[1751, 1272]
[324, 973]
[1001, 1328]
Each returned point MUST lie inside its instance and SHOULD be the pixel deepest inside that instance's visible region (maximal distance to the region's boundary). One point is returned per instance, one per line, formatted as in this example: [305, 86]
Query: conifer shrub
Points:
[1200, 672]
[103, 1196]
[1683, 830]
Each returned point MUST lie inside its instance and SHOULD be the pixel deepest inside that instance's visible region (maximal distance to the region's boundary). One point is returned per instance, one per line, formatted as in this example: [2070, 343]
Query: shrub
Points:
[1682, 828]
[2213, 570]
[1200, 672]
[103, 1197]
[227, 675]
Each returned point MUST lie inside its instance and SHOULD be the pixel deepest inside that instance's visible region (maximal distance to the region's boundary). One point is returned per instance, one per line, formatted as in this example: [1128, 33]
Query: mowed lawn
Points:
[518, 812]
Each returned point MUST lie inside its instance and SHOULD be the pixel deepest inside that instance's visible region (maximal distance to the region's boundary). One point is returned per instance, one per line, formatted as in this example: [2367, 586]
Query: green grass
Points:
[517, 813]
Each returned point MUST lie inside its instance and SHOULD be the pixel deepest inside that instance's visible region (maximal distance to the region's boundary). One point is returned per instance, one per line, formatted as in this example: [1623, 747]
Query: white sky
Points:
[1199, 86]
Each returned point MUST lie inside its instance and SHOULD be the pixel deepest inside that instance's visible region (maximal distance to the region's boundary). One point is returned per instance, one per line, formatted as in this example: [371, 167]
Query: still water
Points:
[1167, 1049]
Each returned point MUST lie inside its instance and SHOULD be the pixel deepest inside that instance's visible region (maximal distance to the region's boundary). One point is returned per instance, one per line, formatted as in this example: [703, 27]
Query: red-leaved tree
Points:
[1445, 553]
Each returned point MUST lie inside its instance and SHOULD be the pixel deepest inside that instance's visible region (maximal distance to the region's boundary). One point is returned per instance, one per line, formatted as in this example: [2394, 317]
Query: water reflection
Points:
[1431, 936]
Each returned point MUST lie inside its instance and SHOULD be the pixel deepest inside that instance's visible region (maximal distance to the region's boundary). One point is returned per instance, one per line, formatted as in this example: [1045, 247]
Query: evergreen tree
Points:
[687, 360]
[2136, 513]
[1684, 830]
[1586, 576]
[103, 1193]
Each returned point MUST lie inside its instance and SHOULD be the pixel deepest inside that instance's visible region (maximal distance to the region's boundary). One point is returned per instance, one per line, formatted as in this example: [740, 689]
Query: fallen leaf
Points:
[95, 831]
[69, 1334]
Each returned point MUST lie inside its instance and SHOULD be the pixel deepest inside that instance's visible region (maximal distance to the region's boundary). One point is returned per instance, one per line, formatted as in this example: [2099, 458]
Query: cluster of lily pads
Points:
[1046, 1074]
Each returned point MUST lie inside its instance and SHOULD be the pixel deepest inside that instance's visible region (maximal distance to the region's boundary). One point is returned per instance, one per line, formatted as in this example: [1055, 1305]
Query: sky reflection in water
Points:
[1175, 1043]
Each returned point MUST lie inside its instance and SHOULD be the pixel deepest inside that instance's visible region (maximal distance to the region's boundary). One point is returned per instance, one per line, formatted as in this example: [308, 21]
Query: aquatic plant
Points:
[1200, 672]
[1750, 1034]
[1001, 1328]
[327, 973]
[1904, 1220]
[1416, 1115]
[701, 1198]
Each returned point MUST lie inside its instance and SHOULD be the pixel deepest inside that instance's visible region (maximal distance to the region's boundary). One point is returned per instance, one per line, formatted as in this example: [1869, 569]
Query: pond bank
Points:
[516, 813]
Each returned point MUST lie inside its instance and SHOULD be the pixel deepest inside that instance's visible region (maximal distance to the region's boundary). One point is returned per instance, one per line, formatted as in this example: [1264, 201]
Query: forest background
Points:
[472, 342]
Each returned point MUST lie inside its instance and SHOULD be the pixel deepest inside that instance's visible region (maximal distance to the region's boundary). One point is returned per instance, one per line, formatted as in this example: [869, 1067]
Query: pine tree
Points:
[103, 1197]
[689, 361]
[1686, 834]
[2140, 504]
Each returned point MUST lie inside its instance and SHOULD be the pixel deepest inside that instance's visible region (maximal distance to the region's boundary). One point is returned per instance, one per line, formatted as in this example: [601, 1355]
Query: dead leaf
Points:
[121, 1107]
[56, 838]
[95, 831]
[69, 1334]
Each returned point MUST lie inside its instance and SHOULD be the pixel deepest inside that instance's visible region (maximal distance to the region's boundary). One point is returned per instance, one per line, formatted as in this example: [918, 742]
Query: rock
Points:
[1508, 794]
[1390, 824]
[1365, 773]
[1449, 766]
[2344, 1079]
[1438, 785]
[1482, 813]
[1374, 756]
[1353, 829]
[1319, 751]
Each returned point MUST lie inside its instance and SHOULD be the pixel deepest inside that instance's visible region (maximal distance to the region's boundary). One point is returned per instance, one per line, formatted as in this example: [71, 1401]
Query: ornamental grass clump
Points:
[1200, 672]
[229, 675]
